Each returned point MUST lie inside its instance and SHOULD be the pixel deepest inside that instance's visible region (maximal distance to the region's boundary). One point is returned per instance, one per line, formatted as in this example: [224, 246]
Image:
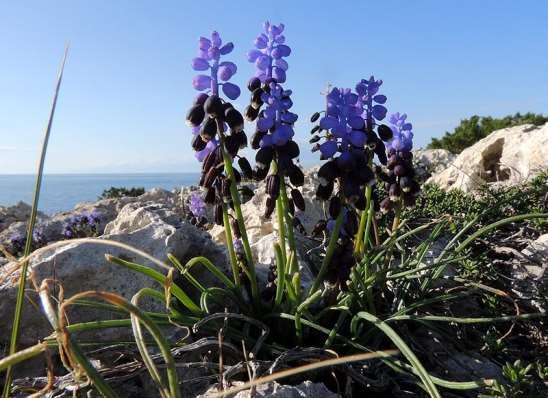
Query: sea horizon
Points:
[62, 191]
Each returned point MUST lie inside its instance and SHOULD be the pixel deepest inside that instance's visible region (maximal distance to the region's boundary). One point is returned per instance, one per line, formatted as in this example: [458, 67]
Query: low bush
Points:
[471, 130]
[114, 192]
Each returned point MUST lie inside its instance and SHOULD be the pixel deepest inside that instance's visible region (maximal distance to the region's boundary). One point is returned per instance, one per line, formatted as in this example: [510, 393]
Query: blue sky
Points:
[127, 80]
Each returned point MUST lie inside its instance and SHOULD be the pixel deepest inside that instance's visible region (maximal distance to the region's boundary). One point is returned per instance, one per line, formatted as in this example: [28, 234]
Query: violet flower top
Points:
[209, 59]
[402, 139]
[269, 53]
[197, 205]
[209, 56]
[370, 101]
[276, 119]
[344, 121]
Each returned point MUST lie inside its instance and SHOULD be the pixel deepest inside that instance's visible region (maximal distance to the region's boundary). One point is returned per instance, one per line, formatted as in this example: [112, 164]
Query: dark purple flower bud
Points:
[195, 116]
[256, 139]
[200, 99]
[394, 192]
[380, 151]
[314, 129]
[298, 199]
[314, 139]
[269, 207]
[209, 196]
[245, 167]
[208, 129]
[198, 143]
[260, 173]
[324, 191]
[235, 228]
[385, 132]
[315, 117]
[296, 176]
[234, 119]
[256, 97]
[251, 113]
[253, 84]
[218, 214]
[232, 145]
[264, 157]
[273, 185]
[210, 177]
[214, 106]
[327, 172]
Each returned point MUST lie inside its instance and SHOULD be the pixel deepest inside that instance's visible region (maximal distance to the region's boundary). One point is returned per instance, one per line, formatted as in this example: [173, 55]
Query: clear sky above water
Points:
[128, 80]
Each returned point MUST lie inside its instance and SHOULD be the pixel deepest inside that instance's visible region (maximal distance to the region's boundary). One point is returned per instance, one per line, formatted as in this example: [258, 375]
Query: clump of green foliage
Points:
[471, 130]
[490, 203]
[114, 192]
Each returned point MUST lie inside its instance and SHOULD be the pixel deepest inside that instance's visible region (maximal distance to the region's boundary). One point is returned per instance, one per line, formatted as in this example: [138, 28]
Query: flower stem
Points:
[289, 226]
[359, 245]
[250, 265]
[393, 230]
[328, 255]
[281, 227]
[370, 213]
[230, 244]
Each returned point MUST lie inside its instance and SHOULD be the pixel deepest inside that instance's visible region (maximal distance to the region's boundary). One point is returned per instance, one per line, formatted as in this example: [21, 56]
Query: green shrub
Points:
[489, 204]
[114, 192]
[471, 130]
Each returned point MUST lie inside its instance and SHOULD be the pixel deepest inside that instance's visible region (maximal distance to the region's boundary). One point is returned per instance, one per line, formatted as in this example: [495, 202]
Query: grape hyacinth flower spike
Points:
[399, 174]
[341, 137]
[277, 152]
[270, 106]
[218, 129]
[214, 120]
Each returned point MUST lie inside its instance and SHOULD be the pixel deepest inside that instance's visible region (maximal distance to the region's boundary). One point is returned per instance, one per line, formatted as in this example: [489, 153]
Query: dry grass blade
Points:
[28, 245]
[303, 369]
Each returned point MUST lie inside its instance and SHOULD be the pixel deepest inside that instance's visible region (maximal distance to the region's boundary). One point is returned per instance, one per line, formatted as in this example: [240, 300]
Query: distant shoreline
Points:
[61, 192]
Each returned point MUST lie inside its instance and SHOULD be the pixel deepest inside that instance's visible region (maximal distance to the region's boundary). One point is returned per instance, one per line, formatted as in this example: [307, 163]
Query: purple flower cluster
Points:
[345, 137]
[399, 175]
[209, 56]
[205, 129]
[18, 242]
[82, 225]
[270, 106]
[402, 136]
[218, 127]
[196, 205]
[269, 53]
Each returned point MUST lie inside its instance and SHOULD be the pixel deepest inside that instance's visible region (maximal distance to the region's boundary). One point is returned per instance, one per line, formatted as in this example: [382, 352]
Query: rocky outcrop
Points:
[80, 266]
[508, 157]
[18, 212]
[431, 161]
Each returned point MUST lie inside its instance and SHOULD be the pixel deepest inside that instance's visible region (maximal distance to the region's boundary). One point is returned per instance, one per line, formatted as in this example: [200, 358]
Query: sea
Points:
[61, 192]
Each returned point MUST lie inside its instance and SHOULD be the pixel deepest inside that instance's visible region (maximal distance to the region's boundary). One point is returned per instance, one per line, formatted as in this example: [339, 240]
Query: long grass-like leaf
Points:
[497, 224]
[158, 277]
[16, 324]
[403, 347]
[142, 347]
[153, 329]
